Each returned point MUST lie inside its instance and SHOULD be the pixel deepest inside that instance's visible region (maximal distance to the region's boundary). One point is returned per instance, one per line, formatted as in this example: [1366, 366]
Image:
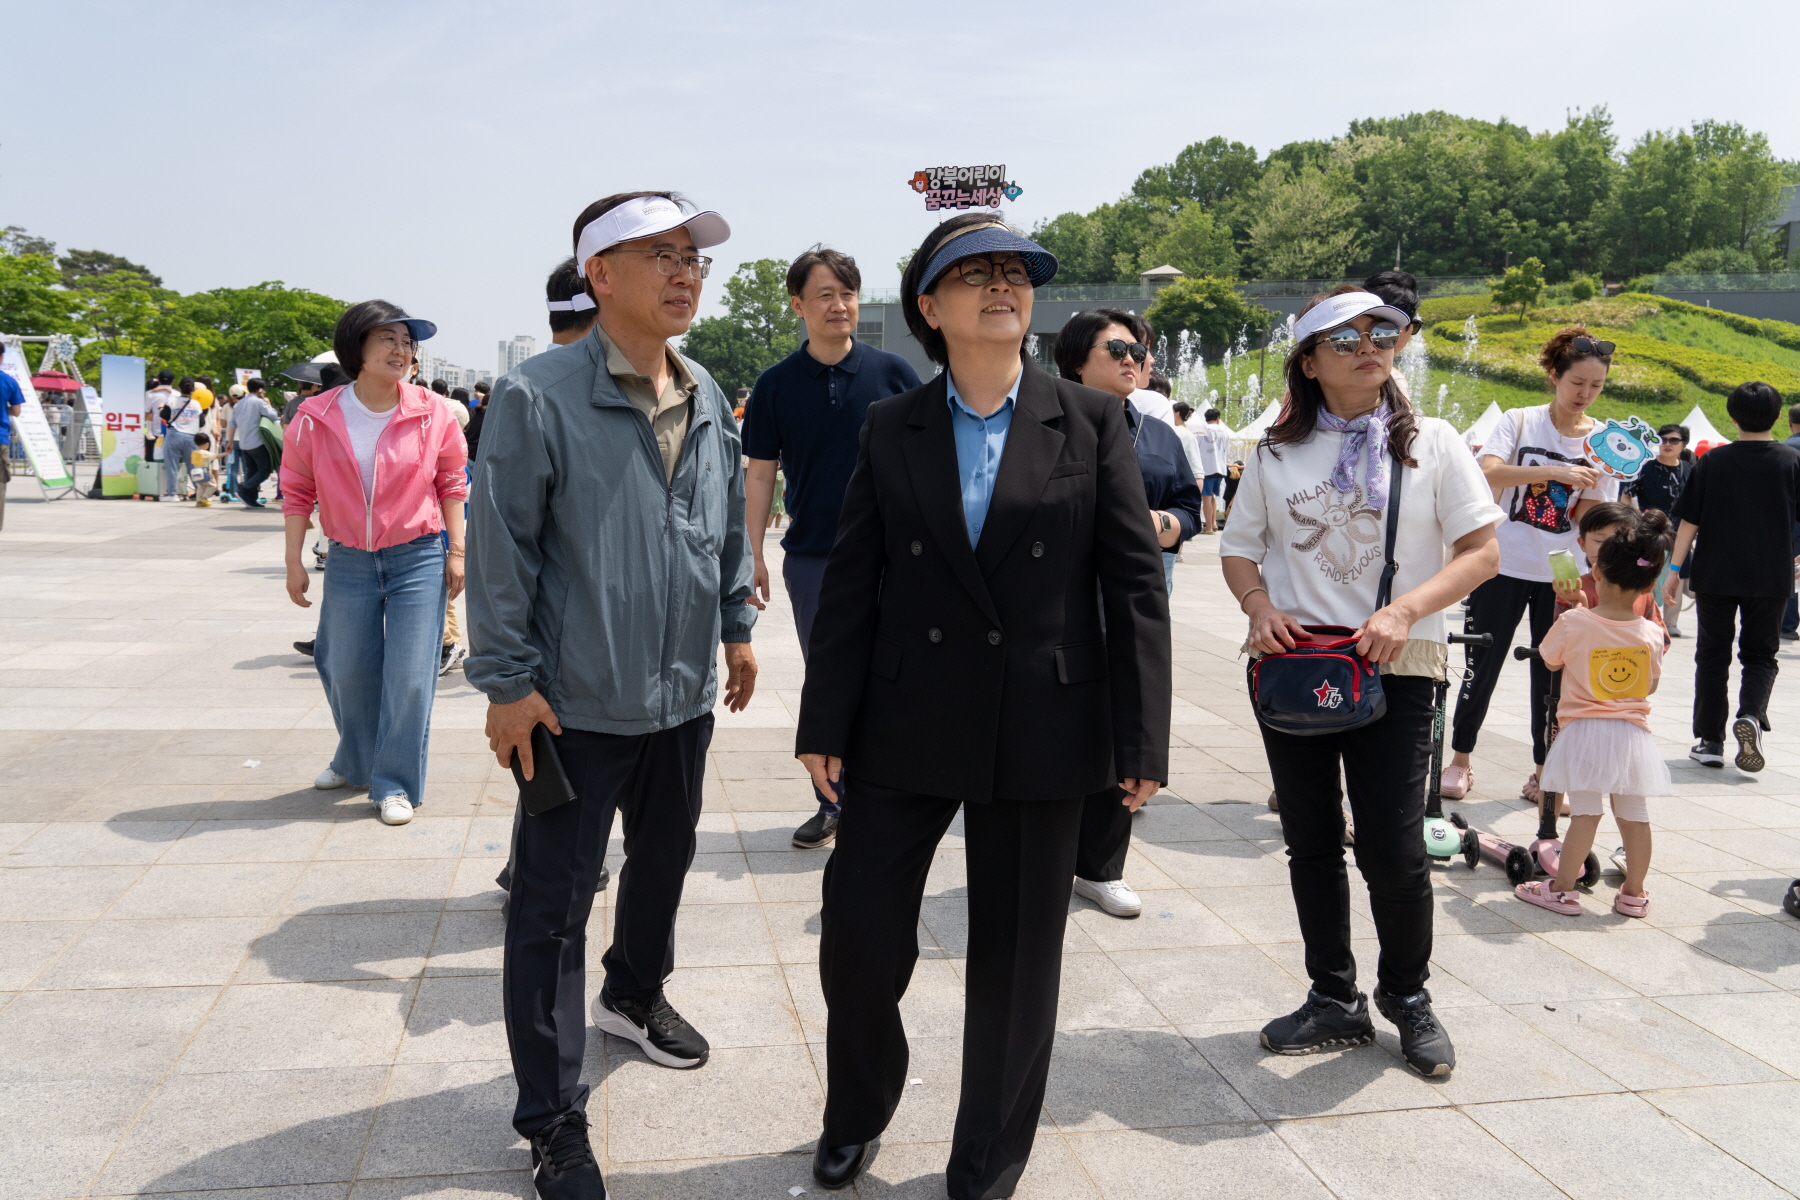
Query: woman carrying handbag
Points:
[1349, 499]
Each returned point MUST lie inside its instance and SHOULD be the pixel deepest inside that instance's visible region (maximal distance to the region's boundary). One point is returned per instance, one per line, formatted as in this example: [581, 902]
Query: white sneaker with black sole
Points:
[450, 658]
[1114, 896]
[1748, 732]
[653, 1024]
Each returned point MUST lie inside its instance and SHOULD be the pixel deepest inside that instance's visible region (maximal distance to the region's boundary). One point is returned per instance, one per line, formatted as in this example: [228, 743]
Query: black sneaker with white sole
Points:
[659, 1031]
[819, 831]
[1748, 732]
[563, 1162]
[1708, 754]
[1320, 1024]
[1423, 1042]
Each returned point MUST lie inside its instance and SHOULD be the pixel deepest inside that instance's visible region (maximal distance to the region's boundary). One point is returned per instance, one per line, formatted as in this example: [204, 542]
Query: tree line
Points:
[1447, 196]
[122, 307]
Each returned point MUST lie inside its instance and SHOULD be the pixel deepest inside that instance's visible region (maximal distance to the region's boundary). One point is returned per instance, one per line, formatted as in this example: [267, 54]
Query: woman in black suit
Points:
[958, 659]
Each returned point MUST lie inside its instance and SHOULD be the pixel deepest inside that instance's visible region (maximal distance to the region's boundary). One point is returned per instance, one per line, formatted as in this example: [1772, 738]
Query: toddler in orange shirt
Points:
[1611, 659]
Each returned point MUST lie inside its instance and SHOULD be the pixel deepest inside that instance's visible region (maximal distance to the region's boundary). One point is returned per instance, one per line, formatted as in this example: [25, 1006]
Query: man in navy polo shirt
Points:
[805, 417]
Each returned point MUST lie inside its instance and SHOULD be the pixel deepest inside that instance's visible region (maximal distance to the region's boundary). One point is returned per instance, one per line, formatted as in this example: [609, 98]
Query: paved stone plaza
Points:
[216, 980]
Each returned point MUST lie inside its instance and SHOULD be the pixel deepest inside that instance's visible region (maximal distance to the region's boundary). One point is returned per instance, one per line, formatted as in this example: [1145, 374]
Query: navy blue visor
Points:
[1040, 264]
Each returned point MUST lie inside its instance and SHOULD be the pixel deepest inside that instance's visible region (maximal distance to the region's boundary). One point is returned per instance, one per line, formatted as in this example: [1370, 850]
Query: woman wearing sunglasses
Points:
[1306, 546]
[1537, 459]
[1099, 348]
[959, 660]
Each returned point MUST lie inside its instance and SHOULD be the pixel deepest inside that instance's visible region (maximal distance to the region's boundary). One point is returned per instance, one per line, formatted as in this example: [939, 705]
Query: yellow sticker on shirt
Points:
[1620, 672]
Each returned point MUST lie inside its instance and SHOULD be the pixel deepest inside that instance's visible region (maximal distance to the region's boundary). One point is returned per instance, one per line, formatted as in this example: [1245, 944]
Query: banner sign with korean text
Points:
[122, 436]
[31, 427]
[964, 187]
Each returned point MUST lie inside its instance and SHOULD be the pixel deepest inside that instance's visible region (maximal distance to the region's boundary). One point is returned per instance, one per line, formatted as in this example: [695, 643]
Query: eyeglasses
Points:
[394, 341]
[1674, 439]
[670, 263]
[979, 272]
[1119, 349]
[1594, 346]
[1349, 339]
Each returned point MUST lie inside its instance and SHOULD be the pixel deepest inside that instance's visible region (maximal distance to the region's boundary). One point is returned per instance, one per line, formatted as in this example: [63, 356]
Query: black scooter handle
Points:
[1524, 652]
[1484, 640]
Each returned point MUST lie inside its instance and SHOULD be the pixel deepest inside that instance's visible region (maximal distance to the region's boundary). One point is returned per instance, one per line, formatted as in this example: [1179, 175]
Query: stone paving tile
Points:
[1209, 1162]
[1622, 1140]
[1752, 1122]
[295, 1026]
[1643, 1044]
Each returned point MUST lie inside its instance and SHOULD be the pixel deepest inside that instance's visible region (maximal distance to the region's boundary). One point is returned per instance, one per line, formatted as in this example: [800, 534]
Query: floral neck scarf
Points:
[1371, 430]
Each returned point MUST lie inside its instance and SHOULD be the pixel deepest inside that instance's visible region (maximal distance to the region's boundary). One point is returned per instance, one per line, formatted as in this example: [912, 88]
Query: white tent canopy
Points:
[1700, 429]
[1477, 434]
[1245, 439]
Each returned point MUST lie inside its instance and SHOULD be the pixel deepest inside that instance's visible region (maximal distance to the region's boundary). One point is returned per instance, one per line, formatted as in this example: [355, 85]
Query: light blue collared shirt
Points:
[980, 441]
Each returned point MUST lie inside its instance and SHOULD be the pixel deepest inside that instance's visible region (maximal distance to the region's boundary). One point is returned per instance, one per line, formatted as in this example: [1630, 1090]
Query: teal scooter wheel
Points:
[1442, 839]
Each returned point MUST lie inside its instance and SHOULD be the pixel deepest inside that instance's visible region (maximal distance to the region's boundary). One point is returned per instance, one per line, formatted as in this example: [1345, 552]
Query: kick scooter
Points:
[1445, 839]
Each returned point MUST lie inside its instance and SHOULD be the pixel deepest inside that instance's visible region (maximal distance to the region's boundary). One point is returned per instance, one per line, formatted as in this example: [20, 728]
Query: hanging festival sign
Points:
[964, 187]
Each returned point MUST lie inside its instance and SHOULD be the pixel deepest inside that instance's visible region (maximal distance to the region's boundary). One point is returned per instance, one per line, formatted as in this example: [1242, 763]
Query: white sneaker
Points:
[396, 809]
[328, 779]
[1114, 896]
[450, 658]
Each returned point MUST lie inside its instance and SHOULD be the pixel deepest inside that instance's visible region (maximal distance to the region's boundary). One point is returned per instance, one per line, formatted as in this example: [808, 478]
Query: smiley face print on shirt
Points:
[1619, 672]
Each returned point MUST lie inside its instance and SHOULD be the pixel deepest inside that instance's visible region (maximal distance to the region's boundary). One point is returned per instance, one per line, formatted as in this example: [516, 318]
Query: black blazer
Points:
[987, 672]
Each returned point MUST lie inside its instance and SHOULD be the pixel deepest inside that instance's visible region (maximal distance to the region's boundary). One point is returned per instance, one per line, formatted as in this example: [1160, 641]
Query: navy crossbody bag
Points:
[1323, 685]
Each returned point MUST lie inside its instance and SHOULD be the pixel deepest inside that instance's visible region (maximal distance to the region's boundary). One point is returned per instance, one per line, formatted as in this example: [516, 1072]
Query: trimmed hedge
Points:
[1510, 356]
[1455, 308]
[1782, 333]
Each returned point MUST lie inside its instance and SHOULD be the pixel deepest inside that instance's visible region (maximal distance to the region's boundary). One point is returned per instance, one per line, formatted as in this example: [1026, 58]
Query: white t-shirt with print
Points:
[1215, 447]
[1539, 515]
[1321, 550]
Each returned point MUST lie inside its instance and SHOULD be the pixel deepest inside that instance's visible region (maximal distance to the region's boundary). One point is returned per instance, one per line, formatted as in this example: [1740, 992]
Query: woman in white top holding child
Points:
[1306, 547]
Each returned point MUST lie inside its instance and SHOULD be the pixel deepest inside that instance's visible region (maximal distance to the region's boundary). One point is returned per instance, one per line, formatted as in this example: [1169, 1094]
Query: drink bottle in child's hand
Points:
[1564, 571]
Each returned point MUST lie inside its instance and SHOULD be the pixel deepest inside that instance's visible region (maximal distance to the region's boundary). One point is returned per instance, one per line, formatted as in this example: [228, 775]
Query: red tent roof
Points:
[55, 381]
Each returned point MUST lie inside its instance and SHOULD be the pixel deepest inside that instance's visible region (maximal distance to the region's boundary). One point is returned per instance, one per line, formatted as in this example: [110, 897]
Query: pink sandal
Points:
[1456, 782]
[1539, 892]
[1631, 906]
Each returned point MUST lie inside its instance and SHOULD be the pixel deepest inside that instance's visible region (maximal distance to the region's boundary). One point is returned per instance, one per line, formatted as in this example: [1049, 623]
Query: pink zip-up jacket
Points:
[419, 462]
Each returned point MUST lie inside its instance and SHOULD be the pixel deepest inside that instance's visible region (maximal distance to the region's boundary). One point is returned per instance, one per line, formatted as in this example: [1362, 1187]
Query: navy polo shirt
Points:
[809, 416]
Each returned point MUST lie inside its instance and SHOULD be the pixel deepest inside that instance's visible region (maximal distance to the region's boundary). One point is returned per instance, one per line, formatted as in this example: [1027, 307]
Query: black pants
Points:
[1385, 764]
[1105, 836]
[653, 780]
[1021, 857]
[257, 469]
[1757, 643]
[803, 574]
[1495, 607]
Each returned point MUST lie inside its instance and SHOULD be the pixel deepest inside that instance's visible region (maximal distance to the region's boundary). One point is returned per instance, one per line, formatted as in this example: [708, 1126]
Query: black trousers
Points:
[1757, 642]
[653, 781]
[1021, 857]
[1105, 836]
[256, 469]
[1495, 607]
[804, 574]
[1385, 764]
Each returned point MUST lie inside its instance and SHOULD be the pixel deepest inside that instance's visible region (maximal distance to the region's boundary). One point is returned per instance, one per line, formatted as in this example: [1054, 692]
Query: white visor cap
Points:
[1341, 310]
[580, 302]
[644, 217]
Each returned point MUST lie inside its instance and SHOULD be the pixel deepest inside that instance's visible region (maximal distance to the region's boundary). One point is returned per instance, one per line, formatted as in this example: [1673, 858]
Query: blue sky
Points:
[437, 154]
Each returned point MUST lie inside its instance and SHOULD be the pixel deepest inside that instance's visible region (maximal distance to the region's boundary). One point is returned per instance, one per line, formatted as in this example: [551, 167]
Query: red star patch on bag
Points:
[1329, 697]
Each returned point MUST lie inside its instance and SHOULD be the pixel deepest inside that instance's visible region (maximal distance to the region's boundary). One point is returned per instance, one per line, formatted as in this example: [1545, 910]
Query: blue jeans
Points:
[381, 624]
[176, 450]
[1169, 570]
[803, 573]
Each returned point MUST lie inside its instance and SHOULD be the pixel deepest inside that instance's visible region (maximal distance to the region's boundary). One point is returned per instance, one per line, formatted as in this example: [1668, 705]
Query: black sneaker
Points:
[817, 832]
[1708, 754]
[306, 648]
[1748, 732]
[1422, 1040]
[660, 1031]
[564, 1161]
[1320, 1024]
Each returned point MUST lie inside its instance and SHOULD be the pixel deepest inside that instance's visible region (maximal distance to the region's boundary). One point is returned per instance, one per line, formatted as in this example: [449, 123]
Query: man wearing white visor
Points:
[609, 561]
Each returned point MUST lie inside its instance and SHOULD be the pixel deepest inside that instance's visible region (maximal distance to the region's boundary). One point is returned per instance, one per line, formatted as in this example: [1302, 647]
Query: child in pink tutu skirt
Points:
[1611, 660]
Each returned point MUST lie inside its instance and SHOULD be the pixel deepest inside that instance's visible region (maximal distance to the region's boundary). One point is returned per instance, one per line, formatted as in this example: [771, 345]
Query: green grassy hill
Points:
[1671, 356]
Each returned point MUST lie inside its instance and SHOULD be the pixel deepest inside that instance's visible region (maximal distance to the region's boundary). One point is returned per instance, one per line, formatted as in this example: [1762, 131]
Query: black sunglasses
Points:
[1594, 346]
[1674, 439]
[1119, 349]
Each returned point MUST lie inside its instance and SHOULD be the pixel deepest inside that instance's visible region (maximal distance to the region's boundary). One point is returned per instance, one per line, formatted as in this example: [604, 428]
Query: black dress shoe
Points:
[835, 1166]
[817, 832]
[306, 648]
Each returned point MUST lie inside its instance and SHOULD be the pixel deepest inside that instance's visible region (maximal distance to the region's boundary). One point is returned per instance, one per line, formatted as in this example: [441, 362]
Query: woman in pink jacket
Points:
[383, 461]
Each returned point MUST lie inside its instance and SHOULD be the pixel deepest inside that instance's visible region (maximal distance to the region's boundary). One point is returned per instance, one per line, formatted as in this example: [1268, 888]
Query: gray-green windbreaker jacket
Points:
[589, 577]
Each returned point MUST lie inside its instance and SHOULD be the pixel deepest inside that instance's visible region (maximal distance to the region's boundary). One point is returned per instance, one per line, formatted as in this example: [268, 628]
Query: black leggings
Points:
[1495, 607]
[1385, 764]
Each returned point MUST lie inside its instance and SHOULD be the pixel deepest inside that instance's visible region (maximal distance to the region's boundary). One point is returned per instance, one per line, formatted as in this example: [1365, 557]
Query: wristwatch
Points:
[1164, 518]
